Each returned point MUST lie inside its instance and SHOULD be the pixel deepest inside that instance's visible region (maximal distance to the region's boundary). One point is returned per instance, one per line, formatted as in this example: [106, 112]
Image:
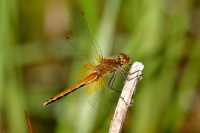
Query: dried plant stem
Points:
[126, 97]
[29, 123]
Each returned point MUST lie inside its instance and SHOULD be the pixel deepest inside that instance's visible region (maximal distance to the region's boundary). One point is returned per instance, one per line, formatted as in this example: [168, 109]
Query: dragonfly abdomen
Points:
[89, 79]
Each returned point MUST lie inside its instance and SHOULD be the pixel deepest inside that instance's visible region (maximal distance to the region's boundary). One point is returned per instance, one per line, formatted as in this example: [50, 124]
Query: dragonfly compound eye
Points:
[123, 60]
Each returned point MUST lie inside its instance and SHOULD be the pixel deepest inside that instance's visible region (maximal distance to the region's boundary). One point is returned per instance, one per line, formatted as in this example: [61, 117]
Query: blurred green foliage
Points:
[164, 35]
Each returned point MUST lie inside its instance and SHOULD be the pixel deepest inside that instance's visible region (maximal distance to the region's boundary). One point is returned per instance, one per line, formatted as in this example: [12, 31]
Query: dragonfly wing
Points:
[81, 50]
[83, 40]
[74, 63]
[101, 97]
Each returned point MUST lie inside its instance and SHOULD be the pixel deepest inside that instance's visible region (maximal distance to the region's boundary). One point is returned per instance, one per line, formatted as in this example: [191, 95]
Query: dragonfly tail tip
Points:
[44, 104]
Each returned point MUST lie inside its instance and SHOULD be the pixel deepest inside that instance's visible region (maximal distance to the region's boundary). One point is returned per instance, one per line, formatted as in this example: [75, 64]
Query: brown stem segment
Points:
[28, 122]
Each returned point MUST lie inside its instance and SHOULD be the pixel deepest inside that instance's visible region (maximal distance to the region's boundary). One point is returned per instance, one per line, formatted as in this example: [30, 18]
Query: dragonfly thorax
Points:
[110, 65]
[107, 66]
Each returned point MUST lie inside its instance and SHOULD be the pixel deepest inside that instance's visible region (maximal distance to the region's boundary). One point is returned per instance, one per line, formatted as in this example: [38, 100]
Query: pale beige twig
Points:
[125, 99]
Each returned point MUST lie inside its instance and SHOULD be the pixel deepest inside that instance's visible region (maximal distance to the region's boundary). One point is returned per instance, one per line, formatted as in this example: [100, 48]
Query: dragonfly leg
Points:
[111, 82]
[125, 73]
[128, 73]
[130, 104]
[138, 76]
[133, 72]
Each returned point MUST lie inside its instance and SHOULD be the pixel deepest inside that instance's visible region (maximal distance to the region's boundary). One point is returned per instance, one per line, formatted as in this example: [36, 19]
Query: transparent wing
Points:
[101, 97]
[74, 63]
[83, 39]
[80, 50]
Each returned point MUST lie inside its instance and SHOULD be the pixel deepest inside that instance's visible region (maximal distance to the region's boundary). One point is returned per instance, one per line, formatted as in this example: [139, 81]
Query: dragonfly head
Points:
[123, 60]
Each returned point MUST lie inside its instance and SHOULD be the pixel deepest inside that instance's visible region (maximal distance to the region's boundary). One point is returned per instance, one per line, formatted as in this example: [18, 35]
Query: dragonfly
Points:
[95, 74]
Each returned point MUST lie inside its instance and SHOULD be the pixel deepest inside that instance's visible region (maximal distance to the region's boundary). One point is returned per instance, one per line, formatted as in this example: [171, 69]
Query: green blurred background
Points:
[162, 34]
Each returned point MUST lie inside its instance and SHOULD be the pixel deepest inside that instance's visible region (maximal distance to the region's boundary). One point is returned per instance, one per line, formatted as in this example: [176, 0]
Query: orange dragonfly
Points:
[92, 68]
